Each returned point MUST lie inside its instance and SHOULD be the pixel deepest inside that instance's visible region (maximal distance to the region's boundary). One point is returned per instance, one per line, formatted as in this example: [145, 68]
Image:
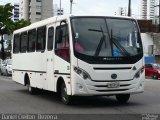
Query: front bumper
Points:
[89, 87]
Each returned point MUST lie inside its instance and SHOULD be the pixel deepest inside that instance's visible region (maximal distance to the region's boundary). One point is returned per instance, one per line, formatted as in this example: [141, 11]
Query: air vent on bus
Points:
[112, 90]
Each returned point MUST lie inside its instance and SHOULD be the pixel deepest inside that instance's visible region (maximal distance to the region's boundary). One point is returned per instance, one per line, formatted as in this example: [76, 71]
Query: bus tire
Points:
[66, 99]
[123, 98]
[30, 89]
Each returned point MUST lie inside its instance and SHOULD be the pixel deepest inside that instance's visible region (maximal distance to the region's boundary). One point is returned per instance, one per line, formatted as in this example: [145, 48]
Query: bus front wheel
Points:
[66, 99]
[123, 98]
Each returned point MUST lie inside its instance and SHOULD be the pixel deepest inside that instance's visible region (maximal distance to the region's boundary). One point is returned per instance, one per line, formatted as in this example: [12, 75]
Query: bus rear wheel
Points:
[66, 99]
[123, 98]
[30, 89]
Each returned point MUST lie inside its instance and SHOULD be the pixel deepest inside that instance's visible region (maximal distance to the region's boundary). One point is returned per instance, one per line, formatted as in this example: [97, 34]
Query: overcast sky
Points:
[100, 7]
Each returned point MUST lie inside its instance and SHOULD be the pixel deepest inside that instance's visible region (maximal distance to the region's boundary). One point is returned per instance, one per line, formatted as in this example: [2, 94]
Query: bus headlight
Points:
[139, 72]
[82, 73]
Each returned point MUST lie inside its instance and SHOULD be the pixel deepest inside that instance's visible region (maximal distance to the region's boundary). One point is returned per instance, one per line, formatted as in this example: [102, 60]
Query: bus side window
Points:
[16, 45]
[62, 42]
[41, 39]
[32, 40]
[24, 40]
[50, 38]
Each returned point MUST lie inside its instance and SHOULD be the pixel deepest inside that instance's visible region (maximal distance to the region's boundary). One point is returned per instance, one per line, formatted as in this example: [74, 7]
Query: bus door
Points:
[49, 57]
[62, 50]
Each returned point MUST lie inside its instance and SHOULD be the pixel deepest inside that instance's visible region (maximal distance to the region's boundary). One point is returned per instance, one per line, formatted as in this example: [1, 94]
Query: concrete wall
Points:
[147, 41]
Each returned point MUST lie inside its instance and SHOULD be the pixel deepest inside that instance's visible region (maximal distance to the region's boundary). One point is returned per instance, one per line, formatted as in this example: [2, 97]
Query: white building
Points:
[147, 9]
[16, 12]
[36, 10]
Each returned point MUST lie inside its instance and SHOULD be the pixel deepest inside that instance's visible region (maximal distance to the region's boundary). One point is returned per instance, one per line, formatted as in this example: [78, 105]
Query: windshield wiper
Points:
[100, 42]
[113, 41]
[118, 45]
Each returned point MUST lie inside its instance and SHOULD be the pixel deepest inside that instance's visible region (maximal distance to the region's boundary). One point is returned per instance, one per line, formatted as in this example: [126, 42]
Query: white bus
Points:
[80, 56]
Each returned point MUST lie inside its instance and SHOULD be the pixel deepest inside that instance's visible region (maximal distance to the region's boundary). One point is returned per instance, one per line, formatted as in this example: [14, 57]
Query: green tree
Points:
[21, 23]
[16, 25]
[7, 26]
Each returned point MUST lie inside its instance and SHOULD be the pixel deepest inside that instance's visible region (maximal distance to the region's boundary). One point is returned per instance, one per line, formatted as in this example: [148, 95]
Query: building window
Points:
[38, 7]
[38, 0]
[38, 13]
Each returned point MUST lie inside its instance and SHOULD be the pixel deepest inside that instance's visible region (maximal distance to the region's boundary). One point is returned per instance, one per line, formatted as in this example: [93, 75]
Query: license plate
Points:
[113, 85]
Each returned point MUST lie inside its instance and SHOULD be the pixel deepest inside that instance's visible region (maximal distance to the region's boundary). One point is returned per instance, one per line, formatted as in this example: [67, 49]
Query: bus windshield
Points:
[106, 37]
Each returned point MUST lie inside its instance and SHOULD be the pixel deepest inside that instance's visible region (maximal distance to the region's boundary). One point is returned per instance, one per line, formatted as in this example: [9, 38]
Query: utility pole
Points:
[129, 8]
[60, 7]
[71, 1]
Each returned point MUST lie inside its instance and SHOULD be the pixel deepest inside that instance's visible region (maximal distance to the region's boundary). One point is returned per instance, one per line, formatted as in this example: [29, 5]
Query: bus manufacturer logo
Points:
[110, 59]
[114, 76]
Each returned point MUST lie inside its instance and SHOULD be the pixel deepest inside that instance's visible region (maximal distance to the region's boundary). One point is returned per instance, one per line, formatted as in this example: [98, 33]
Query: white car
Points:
[6, 67]
[1, 66]
[1, 63]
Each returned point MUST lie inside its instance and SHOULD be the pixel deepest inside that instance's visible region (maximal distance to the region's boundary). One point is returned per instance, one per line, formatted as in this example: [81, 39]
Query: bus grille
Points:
[104, 86]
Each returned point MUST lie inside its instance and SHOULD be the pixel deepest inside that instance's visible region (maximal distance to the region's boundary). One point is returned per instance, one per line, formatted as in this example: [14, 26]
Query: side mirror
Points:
[63, 21]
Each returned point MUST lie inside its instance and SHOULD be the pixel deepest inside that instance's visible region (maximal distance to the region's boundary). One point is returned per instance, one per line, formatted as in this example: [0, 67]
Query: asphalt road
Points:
[15, 99]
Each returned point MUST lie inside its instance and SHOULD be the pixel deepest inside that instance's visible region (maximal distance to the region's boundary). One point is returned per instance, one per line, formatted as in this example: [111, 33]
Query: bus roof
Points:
[39, 24]
[55, 18]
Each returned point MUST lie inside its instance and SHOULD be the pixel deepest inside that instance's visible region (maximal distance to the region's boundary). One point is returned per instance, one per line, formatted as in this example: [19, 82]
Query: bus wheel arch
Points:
[60, 81]
[26, 79]
[62, 91]
[30, 89]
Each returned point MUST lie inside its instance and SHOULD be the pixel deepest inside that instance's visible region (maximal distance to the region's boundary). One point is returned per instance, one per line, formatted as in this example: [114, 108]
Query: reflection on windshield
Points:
[100, 37]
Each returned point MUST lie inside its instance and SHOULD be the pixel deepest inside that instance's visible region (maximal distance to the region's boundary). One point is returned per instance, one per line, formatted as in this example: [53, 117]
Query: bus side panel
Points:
[34, 64]
[63, 68]
[18, 76]
[41, 81]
